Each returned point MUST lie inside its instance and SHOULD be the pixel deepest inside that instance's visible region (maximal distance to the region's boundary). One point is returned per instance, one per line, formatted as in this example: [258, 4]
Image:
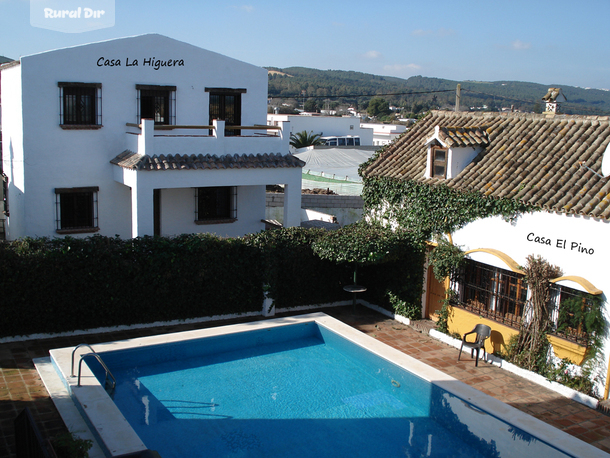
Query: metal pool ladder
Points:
[99, 359]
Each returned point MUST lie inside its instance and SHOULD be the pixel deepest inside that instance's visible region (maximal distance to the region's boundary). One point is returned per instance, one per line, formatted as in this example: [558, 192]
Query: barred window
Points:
[216, 204]
[76, 210]
[568, 309]
[493, 292]
[225, 105]
[80, 104]
[156, 102]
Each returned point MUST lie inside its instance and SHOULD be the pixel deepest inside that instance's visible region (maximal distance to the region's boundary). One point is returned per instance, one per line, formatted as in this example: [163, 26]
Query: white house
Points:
[139, 136]
[330, 127]
[555, 164]
[384, 133]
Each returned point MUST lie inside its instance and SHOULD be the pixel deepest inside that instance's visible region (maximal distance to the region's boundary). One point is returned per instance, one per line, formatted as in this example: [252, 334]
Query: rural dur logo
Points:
[72, 16]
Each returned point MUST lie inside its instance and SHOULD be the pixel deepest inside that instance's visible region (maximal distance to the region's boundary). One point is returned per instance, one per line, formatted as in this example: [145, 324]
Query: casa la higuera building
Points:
[558, 164]
[140, 136]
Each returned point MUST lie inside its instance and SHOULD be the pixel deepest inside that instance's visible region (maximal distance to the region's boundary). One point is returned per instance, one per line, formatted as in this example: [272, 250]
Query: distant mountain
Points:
[4, 60]
[421, 93]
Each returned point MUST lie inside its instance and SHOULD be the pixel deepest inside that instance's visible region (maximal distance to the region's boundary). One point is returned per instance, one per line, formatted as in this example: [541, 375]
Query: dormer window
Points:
[439, 166]
[451, 149]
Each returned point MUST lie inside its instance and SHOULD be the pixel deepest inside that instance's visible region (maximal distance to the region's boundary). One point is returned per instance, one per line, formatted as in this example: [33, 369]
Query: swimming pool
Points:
[359, 399]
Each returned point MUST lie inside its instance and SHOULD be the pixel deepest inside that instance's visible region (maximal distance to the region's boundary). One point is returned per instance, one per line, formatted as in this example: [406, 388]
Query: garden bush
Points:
[66, 284]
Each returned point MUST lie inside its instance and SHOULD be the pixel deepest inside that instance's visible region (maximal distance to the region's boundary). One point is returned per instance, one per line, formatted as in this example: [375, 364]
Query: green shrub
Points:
[66, 284]
[67, 445]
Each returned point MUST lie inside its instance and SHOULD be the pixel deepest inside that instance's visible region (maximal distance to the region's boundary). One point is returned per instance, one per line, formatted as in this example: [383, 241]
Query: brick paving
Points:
[20, 385]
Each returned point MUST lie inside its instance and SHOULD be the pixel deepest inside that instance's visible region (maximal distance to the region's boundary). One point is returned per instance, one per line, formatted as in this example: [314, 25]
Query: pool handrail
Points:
[99, 359]
[74, 351]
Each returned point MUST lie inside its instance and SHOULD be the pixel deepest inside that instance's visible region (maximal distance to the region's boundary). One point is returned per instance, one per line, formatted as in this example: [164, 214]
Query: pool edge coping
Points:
[119, 438]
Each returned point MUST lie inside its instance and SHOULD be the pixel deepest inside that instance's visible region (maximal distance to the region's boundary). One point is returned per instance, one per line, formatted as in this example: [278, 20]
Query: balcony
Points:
[148, 139]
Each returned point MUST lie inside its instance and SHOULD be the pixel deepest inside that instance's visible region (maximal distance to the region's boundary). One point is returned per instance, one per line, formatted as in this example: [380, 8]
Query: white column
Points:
[292, 203]
[142, 211]
[134, 211]
[285, 136]
[219, 128]
[147, 137]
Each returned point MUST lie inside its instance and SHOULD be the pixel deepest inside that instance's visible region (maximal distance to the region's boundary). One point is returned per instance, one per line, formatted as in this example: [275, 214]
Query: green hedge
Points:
[66, 284]
[294, 275]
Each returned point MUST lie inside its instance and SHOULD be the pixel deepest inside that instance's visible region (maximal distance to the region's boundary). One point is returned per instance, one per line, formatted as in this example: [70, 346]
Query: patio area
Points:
[20, 385]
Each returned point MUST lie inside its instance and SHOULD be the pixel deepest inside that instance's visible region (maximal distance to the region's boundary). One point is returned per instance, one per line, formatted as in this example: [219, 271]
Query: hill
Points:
[334, 87]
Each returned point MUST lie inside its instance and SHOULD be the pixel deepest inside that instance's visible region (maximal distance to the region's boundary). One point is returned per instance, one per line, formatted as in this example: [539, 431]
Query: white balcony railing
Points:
[146, 138]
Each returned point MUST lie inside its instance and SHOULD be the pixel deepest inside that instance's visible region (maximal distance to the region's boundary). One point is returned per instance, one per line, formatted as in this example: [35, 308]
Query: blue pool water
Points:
[298, 391]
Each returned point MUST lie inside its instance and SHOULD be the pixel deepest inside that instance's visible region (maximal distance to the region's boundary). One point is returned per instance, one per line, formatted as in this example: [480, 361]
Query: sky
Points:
[560, 42]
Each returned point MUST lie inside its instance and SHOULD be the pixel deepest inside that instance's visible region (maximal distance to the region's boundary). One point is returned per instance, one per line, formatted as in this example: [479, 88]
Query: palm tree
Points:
[303, 139]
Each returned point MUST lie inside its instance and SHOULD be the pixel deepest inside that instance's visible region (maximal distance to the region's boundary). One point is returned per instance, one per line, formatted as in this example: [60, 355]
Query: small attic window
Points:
[439, 165]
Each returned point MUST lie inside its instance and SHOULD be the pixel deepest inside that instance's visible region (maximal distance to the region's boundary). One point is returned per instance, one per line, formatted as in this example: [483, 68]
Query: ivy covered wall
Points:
[431, 209]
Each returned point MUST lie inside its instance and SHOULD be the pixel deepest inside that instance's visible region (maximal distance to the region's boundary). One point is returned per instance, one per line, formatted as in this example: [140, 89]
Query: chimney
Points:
[552, 100]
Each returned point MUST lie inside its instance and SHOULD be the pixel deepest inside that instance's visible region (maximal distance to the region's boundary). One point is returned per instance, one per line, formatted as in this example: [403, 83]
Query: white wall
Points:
[384, 133]
[53, 157]
[459, 158]
[178, 213]
[326, 125]
[12, 144]
[566, 236]
[578, 245]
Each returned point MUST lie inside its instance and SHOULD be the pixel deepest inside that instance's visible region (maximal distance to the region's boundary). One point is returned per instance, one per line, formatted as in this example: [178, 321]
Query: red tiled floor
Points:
[20, 385]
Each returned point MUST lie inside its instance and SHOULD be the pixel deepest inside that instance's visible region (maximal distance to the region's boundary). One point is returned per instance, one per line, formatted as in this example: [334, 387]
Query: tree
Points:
[303, 139]
[378, 107]
[531, 348]
[362, 244]
[311, 106]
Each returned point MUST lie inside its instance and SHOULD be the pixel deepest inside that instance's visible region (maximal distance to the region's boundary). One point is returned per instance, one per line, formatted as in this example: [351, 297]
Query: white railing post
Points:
[146, 137]
[219, 128]
[285, 136]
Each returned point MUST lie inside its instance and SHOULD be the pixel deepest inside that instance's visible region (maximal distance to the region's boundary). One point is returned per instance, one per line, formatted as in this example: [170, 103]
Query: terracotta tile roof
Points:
[9, 64]
[550, 162]
[463, 136]
[130, 160]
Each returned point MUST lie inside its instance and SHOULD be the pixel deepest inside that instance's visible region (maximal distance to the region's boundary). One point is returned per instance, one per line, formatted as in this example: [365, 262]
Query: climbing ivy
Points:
[428, 209]
[446, 260]
[582, 314]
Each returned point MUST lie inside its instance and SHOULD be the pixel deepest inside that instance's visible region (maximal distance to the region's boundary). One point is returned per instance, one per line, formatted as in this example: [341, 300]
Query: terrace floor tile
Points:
[20, 385]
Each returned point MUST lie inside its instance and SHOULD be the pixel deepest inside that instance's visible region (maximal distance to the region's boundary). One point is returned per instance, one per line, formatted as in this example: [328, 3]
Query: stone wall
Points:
[317, 201]
[347, 209]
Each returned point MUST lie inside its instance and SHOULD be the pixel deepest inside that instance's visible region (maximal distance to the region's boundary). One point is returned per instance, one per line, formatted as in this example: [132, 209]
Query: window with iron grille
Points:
[225, 105]
[80, 105]
[76, 210]
[496, 293]
[156, 102]
[216, 204]
[568, 309]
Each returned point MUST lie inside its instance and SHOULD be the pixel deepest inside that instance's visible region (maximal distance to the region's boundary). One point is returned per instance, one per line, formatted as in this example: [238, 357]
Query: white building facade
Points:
[554, 164]
[139, 136]
[384, 134]
[327, 126]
